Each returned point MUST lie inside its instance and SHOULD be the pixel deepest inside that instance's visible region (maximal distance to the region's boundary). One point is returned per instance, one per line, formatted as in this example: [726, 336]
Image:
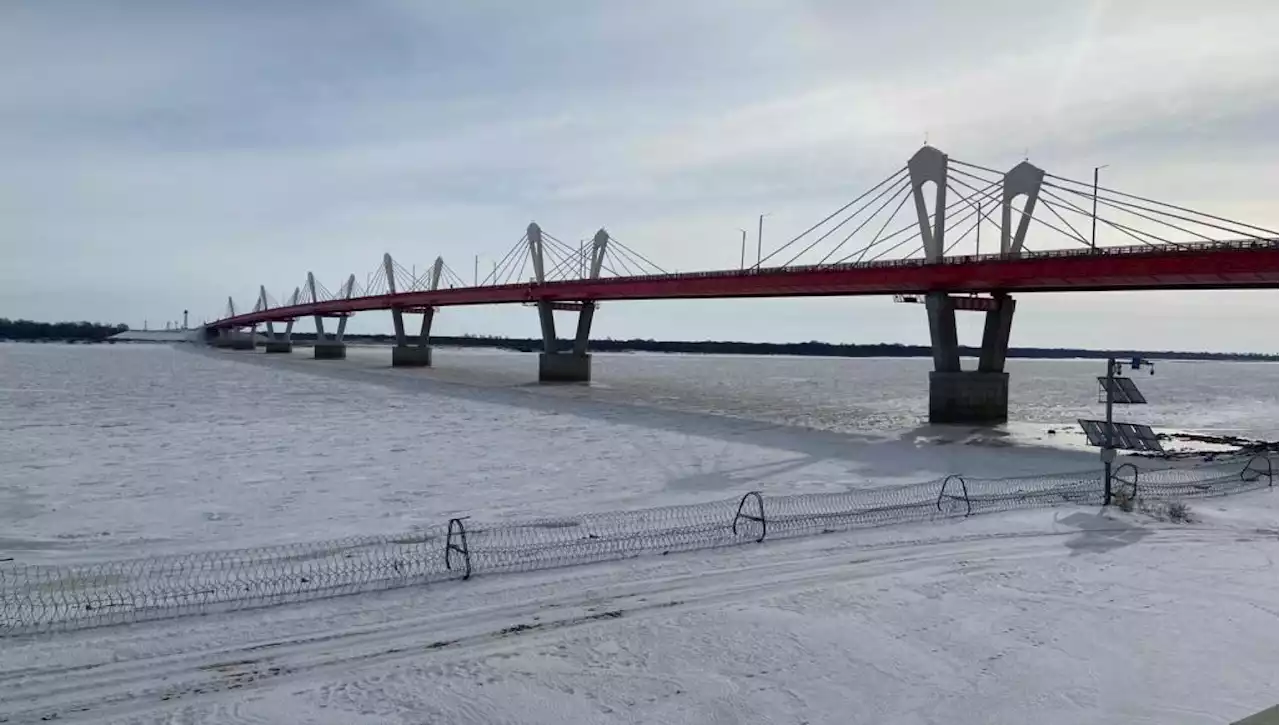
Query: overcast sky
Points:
[156, 156]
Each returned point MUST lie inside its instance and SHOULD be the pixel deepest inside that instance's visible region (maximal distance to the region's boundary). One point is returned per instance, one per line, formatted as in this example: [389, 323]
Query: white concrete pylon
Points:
[929, 164]
[599, 244]
[262, 306]
[311, 285]
[534, 235]
[1023, 179]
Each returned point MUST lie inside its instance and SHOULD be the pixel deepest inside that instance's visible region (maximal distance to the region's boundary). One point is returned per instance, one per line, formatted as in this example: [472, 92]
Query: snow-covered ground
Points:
[1048, 616]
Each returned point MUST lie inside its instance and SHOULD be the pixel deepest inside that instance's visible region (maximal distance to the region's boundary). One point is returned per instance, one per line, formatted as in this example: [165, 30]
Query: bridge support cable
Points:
[1113, 196]
[1017, 233]
[1208, 226]
[889, 194]
[908, 233]
[891, 180]
[1141, 236]
[897, 185]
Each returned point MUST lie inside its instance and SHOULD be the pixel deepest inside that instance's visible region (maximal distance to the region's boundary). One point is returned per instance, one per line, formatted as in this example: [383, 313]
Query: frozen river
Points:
[111, 450]
[1058, 615]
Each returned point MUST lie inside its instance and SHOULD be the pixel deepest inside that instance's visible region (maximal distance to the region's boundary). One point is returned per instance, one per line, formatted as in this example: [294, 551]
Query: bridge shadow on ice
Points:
[914, 455]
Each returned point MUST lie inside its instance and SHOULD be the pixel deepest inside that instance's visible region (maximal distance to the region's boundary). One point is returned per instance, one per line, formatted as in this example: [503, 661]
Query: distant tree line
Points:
[79, 331]
[811, 348]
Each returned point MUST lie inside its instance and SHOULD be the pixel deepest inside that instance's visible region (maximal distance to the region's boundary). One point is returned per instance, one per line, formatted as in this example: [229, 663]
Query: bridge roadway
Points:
[1249, 264]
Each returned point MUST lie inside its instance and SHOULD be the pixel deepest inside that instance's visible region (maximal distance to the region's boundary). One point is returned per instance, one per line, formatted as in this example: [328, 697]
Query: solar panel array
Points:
[1123, 390]
[1127, 436]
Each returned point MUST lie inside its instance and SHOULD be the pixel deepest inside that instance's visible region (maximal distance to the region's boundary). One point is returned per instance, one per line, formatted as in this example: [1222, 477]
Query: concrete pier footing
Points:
[564, 367]
[406, 356]
[330, 351]
[274, 346]
[968, 397]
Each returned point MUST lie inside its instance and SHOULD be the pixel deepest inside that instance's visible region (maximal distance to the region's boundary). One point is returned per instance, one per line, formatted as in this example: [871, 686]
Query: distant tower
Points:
[184, 319]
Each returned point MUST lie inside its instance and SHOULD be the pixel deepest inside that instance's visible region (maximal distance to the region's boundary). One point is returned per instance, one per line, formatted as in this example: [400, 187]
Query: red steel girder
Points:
[1217, 265]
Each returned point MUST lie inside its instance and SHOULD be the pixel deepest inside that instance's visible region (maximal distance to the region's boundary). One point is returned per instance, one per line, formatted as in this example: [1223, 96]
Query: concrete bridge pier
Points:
[561, 366]
[278, 343]
[972, 396]
[326, 347]
[969, 396]
[412, 352]
[233, 340]
[554, 364]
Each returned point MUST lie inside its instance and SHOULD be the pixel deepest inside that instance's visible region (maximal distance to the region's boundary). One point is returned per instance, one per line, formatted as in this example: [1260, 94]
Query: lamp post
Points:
[977, 243]
[760, 240]
[1093, 234]
[742, 257]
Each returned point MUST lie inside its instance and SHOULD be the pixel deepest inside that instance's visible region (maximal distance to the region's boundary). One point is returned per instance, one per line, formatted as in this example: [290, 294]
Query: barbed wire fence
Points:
[44, 598]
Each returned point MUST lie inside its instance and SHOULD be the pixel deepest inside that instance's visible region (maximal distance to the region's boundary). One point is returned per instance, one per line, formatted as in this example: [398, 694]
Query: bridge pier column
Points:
[242, 340]
[974, 396]
[554, 364]
[959, 396]
[412, 352]
[229, 339]
[407, 351]
[326, 347]
[564, 366]
[281, 342]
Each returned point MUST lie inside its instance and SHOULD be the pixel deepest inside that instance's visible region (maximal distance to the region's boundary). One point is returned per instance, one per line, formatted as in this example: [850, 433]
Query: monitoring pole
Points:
[477, 272]
[1093, 234]
[1108, 450]
[742, 258]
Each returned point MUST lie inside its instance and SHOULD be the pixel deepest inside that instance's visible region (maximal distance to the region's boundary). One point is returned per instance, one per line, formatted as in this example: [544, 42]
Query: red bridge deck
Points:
[1212, 265]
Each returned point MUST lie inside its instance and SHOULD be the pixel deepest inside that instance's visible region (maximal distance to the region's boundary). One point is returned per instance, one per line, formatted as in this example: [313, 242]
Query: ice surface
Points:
[122, 450]
[1048, 616]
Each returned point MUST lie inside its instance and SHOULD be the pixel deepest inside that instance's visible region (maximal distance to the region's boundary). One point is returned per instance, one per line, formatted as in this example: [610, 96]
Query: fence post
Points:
[1133, 485]
[1269, 473]
[964, 491]
[759, 517]
[461, 547]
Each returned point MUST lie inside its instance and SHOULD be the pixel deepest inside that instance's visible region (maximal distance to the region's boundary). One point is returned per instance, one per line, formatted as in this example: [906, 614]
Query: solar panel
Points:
[1126, 436]
[1122, 390]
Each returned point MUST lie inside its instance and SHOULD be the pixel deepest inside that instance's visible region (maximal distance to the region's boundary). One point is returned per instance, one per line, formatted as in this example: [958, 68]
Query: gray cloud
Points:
[162, 155]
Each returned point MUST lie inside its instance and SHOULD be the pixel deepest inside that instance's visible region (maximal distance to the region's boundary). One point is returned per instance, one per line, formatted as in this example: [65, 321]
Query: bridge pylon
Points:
[556, 364]
[330, 347]
[412, 351]
[956, 395]
[231, 338]
[278, 342]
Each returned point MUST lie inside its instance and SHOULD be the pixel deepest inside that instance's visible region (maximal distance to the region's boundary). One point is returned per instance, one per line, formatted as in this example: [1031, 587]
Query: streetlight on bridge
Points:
[760, 240]
[1093, 234]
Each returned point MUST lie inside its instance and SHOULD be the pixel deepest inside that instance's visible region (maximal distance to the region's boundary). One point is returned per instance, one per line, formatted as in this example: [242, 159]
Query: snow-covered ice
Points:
[123, 450]
[1050, 616]
[1047, 616]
